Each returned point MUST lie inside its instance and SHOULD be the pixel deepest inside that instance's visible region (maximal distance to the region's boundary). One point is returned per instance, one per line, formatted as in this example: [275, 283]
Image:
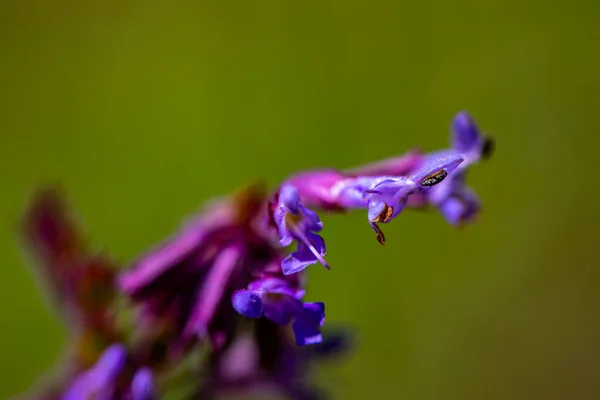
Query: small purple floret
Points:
[273, 298]
[456, 201]
[296, 222]
[142, 385]
[247, 303]
[99, 382]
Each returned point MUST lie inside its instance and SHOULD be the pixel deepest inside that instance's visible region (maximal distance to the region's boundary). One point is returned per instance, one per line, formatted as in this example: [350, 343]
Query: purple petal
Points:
[353, 193]
[157, 261]
[247, 303]
[376, 208]
[142, 385]
[305, 255]
[452, 209]
[289, 198]
[99, 380]
[394, 166]
[462, 206]
[110, 363]
[465, 133]
[211, 293]
[393, 188]
[276, 285]
[315, 187]
[280, 308]
[307, 324]
[285, 236]
[315, 312]
[310, 219]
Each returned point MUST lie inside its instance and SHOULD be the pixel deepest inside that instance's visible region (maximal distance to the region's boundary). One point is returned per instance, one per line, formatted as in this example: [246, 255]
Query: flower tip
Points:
[378, 233]
[488, 147]
[247, 303]
[142, 386]
[289, 197]
[465, 133]
[114, 356]
[110, 363]
[462, 119]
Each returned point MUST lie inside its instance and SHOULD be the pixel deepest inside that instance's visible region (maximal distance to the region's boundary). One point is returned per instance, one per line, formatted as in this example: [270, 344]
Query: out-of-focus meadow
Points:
[143, 110]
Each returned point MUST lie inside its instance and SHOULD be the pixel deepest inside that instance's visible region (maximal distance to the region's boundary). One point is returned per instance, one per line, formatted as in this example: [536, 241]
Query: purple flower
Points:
[386, 196]
[279, 302]
[142, 385]
[315, 187]
[456, 201]
[188, 281]
[356, 188]
[264, 362]
[296, 222]
[102, 380]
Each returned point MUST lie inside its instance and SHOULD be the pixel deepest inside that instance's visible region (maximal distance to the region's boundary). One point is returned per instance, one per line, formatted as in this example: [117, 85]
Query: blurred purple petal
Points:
[465, 133]
[247, 303]
[142, 385]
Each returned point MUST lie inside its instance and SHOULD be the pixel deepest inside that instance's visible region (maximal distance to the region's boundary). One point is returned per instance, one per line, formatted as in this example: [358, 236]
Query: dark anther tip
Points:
[385, 215]
[489, 145]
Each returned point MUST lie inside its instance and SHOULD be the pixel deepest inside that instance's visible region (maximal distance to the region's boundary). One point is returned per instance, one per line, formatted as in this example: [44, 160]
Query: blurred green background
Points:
[143, 110]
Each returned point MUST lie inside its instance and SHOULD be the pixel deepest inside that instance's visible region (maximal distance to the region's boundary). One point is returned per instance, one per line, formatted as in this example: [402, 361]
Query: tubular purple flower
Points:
[103, 380]
[386, 196]
[315, 187]
[142, 385]
[99, 382]
[189, 280]
[342, 190]
[280, 303]
[456, 201]
[296, 222]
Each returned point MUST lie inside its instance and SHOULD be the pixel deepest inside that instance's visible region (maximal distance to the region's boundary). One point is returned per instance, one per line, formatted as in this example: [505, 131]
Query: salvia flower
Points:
[386, 196]
[142, 385]
[296, 222]
[108, 380]
[193, 277]
[280, 303]
[457, 202]
[335, 190]
[227, 281]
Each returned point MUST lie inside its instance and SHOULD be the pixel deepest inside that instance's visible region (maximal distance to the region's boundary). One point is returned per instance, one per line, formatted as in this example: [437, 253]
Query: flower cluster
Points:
[227, 281]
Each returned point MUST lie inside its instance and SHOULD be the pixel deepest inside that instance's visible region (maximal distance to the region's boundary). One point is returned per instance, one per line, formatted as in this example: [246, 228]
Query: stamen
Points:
[380, 236]
[385, 215]
[488, 148]
[298, 232]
